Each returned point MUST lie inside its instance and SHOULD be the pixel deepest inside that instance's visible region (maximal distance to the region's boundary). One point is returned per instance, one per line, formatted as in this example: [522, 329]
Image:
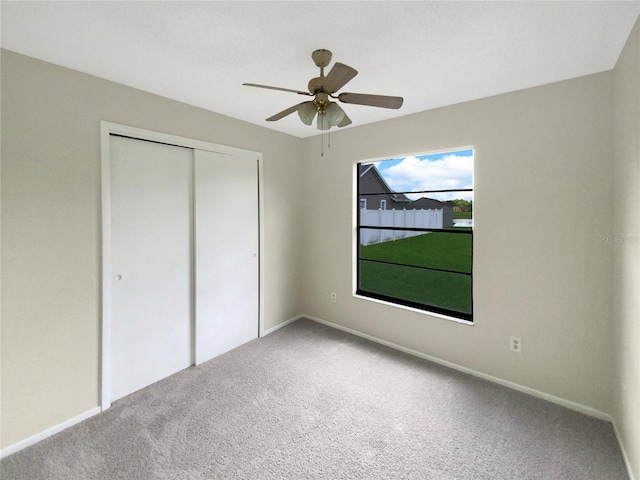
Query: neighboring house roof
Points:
[365, 168]
[424, 202]
[371, 168]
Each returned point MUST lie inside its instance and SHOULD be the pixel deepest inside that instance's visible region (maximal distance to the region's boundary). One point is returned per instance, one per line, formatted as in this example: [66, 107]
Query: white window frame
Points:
[355, 236]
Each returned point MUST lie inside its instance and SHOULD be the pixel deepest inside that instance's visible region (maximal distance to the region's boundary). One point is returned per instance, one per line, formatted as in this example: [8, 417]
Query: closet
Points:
[182, 262]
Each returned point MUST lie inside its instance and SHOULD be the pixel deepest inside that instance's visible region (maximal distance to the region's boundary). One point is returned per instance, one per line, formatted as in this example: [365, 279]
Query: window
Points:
[418, 253]
[383, 204]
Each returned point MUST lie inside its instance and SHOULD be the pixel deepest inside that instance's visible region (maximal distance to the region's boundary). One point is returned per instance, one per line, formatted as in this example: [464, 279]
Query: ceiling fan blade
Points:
[372, 100]
[299, 92]
[286, 112]
[338, 77]
[345, 121]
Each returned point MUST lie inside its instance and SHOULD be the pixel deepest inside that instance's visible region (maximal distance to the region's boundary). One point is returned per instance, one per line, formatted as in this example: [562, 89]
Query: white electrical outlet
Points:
[515, 343]
[334, 299]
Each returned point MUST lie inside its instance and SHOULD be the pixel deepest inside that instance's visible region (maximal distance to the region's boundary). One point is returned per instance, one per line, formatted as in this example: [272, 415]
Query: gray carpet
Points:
[311, 402]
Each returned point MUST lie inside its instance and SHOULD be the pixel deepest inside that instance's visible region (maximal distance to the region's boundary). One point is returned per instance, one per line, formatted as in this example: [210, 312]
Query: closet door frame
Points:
[106, 130]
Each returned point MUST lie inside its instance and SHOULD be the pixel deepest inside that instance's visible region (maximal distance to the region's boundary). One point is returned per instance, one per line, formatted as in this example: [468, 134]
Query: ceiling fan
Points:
[322, 88]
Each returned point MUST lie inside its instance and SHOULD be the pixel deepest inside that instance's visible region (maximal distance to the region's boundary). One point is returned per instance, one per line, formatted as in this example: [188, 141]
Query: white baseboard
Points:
[521, 388]
[514, 386]
[27, 442]
[280, 325]
[625, 457]
[90, 413]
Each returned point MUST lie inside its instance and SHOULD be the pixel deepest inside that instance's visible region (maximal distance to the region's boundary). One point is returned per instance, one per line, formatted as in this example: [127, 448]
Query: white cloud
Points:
[446, 173]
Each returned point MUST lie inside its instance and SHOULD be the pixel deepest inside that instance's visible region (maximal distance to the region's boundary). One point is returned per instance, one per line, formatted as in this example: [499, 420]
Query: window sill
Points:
[415, 310]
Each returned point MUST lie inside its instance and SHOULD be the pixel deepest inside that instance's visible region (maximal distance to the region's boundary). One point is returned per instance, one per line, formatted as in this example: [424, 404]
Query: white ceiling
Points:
[431, 53]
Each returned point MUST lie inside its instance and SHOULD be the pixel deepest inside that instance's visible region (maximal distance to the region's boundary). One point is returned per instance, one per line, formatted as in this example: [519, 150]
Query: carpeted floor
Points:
[311, 402]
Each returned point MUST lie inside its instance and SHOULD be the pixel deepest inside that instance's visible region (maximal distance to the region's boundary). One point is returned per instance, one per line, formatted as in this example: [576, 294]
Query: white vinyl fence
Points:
[398, 219]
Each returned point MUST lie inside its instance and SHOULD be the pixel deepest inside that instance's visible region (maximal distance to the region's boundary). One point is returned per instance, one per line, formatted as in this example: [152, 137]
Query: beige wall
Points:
[626, 247]
[51, 229]
[542, 206]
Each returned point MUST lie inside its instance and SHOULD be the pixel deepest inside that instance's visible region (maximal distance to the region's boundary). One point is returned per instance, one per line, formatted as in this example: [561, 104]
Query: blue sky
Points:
[435, 171]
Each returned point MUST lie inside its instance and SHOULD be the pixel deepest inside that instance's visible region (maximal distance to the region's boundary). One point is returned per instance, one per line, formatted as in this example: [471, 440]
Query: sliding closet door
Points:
[226, 252]
[151, 225]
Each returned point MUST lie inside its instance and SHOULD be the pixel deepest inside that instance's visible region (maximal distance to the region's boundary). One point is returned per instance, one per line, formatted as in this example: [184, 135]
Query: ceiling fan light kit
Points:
[307, 112]
[334, 114]
[323, 88]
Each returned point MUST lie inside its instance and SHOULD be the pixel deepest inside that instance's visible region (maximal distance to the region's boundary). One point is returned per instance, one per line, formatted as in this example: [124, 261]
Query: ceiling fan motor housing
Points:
[315, 85]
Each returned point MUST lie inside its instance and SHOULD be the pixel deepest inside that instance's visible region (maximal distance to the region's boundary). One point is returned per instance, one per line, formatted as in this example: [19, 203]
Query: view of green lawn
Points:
[438, 250]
